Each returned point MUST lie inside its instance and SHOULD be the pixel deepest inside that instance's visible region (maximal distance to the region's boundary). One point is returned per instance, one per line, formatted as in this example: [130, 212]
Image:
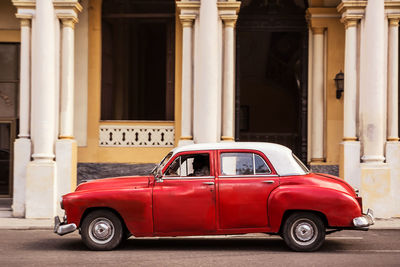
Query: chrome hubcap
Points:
[304, 232]
[101, 230]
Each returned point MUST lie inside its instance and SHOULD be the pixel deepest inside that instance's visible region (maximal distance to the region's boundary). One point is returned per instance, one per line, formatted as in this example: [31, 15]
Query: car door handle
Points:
[269, 181]
[208, 183]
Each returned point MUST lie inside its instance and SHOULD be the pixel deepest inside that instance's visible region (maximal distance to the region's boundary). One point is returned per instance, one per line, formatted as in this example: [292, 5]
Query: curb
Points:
[25, 224]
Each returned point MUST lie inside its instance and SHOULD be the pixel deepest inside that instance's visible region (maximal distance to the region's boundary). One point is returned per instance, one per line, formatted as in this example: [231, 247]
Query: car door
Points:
[184, 200]
[245, 180]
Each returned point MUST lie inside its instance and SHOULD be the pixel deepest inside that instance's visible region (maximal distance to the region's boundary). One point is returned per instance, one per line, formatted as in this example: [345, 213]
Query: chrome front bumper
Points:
[62, 228]
[365, 220]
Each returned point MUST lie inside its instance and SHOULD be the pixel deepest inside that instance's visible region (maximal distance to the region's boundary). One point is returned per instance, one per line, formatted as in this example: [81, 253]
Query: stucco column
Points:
[67, 79]
[228, 94]
[350, 147]
[43, 82]
[206, 88]
[187, 79]
[25, 78]
[372, 85]
[350, 81]
[393, 80]
[22, 146]
[317, 124]
[40, 191]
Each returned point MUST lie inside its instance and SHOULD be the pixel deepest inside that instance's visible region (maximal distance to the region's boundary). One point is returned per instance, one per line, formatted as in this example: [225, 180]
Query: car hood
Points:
[320, 180]
[117, 182]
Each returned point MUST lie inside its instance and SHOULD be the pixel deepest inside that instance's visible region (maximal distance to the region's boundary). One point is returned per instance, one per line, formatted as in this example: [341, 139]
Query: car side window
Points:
[243, 164]
[190, 165]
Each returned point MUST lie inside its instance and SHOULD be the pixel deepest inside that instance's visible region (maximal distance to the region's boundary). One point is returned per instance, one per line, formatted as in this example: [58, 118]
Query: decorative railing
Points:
[136, 136]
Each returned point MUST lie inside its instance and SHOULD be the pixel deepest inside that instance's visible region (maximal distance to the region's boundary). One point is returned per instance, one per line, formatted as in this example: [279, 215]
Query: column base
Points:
[393, 160]
[66, 159]
[227, 139]
[375, 189]
[40, 190]
[22, 157]
[349, 168]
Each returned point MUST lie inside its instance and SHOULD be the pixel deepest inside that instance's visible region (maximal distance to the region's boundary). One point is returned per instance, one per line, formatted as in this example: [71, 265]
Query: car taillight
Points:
[359, 200]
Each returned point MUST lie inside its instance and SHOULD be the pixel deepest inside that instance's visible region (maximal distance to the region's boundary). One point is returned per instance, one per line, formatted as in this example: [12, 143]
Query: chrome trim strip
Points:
[188, 177]
[248, 176]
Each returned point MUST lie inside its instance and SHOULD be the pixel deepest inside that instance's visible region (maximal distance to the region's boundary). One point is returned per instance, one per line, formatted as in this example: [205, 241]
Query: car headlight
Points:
[61, 203]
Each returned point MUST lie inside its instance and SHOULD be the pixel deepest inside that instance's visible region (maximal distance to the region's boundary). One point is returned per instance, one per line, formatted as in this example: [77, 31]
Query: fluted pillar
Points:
[187, 79]
[393, 81]
[317, 116]
[228, 93]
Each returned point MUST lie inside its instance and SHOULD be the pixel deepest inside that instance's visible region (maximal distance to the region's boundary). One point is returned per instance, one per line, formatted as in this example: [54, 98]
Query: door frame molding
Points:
[277, 23]
[12, 122]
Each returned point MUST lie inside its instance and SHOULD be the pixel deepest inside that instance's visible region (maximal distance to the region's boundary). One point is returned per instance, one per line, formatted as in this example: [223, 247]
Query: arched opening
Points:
[272, 55]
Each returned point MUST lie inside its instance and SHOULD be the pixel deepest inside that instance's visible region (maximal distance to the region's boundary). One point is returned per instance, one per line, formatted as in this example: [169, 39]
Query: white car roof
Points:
[280, 156]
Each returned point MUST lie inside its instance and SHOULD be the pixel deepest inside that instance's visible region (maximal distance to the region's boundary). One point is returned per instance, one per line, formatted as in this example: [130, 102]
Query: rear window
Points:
[240, 164]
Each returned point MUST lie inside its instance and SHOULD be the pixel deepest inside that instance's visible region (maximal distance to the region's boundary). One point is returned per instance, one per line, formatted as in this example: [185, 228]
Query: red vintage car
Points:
[213, 189]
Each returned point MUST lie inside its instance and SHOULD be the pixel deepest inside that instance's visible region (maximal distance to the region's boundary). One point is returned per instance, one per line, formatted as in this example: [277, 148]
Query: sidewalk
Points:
[46, 224]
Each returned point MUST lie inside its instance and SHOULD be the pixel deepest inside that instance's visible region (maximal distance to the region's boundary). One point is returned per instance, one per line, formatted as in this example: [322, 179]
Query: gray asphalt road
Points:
[43, 248]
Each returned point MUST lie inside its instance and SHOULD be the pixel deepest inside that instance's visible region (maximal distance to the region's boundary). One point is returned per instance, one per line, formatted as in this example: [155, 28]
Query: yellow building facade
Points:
[99, 88]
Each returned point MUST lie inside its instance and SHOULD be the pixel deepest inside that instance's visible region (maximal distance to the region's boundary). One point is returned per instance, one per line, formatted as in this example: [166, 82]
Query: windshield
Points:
[161, 165]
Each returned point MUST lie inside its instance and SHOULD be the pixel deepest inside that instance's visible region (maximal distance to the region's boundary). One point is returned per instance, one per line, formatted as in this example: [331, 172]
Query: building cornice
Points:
[353, 5]
[229, 6]
[392, 10]
[67, 11]
[188, 5]
[352, 11]
[24, 3]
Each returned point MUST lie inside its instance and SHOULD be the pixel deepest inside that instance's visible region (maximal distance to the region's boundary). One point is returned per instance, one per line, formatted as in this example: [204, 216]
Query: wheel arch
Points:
[287, 214]
[91, 209]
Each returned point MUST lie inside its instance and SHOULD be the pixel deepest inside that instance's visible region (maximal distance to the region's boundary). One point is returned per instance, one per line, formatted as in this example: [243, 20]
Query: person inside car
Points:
[200, 166]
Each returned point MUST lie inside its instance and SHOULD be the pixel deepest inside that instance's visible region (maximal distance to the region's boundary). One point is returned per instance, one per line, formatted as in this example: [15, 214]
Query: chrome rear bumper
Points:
[62, 228]
[365, 220]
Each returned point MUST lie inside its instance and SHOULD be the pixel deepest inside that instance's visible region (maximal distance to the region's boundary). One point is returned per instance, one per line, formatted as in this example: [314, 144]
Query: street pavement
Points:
[355, 248]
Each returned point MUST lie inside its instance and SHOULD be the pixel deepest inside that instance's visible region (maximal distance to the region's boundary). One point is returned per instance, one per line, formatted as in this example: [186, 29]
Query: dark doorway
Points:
[9, 86]
[138, 50]
[272, 55]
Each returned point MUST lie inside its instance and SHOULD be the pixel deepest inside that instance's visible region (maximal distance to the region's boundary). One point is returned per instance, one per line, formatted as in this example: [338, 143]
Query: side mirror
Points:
[159, 176]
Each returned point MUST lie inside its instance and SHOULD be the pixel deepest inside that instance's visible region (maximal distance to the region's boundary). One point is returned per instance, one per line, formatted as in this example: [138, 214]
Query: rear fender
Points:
[339, 208]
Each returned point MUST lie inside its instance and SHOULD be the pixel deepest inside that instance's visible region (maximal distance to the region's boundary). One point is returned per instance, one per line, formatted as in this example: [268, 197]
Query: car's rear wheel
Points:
[304, 231]
[101, 230]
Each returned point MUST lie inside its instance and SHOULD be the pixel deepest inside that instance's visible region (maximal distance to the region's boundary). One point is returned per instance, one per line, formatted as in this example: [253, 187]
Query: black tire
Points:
[101, 230]
[304, 231]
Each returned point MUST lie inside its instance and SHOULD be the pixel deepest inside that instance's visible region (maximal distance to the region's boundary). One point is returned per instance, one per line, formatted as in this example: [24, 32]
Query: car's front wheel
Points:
[304, 231]
[101, 230]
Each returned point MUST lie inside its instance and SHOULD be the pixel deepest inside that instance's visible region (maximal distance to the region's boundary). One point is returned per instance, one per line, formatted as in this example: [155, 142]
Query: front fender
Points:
[338, 207]
[134, 206]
